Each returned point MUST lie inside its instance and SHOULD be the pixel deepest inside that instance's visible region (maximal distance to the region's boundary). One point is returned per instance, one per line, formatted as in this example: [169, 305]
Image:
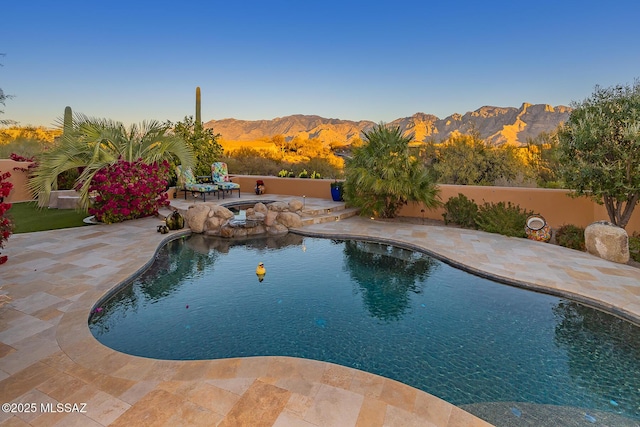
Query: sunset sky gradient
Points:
[356, 60]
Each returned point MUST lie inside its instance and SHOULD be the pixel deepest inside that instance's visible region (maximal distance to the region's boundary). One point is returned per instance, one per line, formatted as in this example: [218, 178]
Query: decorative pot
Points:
[336, 194]
[536, 228]
[175, 221]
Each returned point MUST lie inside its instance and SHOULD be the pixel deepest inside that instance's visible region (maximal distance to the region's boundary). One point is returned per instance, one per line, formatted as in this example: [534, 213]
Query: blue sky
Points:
[356, 60]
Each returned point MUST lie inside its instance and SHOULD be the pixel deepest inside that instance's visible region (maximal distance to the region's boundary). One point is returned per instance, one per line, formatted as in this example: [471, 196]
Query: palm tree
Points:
[382, 175]
[92, 144]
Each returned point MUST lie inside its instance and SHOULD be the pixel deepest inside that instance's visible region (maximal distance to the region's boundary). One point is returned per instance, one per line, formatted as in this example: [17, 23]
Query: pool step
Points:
[310, 211]
[335, 215]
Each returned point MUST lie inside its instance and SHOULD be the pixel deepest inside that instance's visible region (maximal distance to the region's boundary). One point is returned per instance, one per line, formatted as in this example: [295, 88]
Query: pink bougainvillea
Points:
[129, 190]
[6, 226]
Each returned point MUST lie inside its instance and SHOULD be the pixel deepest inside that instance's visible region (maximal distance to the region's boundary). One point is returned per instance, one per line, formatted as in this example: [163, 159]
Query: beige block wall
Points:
[19, 192]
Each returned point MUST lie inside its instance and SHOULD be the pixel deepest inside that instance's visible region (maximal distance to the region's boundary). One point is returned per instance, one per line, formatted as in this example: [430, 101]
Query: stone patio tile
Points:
[333, 406]
[77, 420]
[151, 410]
[432, 409]
[138, 391]
[366, 384]
[21, 382]
[104, 408]
[372, 413]
[191, 415]
[397, 417]
[288, 419]
[338, 376]
[27, 327]
[225, 368]
[398, 394]
[234, 385]
[212, 398]
[261, 405]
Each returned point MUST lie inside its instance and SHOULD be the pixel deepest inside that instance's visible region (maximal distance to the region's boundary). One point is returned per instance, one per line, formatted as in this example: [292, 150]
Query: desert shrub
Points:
[571, 236]
[503, 218]
[460, 210]
[634, 247]
[324, 166]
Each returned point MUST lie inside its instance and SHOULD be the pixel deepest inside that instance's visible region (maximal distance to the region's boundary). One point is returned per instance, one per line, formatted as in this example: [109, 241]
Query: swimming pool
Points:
[378, 308]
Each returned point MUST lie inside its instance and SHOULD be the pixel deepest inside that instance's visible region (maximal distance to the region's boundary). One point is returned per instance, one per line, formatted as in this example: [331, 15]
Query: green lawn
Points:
[27, 217]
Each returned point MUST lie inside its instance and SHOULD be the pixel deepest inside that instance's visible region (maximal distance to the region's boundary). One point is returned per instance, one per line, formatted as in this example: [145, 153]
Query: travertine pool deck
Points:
[48, 355]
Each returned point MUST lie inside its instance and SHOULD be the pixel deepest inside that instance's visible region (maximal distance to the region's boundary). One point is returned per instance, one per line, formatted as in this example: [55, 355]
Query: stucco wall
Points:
[319, 188]
[555, 205]
[19, 192]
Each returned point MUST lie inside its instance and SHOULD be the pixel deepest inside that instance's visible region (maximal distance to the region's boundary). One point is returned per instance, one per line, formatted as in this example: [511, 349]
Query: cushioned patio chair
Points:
[220, 177]
[188, 183]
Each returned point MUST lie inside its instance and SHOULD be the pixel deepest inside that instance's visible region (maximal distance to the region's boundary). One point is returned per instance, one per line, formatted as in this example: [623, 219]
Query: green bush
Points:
[460, 210]
[501, 218]
[634, 247]
[571, 236]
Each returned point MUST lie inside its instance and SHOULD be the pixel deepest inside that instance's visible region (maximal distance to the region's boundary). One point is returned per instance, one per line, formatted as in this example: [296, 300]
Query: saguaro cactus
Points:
[198, 115]
[68, 120]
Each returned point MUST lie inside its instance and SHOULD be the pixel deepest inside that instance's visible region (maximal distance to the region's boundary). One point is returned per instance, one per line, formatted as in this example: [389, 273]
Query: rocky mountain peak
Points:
[497, 125]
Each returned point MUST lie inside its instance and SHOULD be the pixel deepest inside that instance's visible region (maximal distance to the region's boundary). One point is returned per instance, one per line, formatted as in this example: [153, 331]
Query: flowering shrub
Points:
[129, 190]
[6, 226]
[18, 158]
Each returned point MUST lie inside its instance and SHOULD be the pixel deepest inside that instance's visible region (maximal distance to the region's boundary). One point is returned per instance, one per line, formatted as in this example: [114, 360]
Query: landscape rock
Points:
[214, 223]
[196, 216]
[256, 216]
[277, 228]
[295, 205]
[222, 212]
[214, 220]
[278, 206]
[607, 241]
[261, 208]
[289, 219]
[270, 219]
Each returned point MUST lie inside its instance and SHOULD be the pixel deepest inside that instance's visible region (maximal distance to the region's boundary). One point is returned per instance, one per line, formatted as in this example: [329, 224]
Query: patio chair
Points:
[188, 183]
[220, 176]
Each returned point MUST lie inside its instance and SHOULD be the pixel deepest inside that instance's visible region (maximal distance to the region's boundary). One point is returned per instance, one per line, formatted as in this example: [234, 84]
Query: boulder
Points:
[278, 206]
[261, 208]
[196, 216]
[256, 216]
[277, 229]
[270, 219]
[607, 241]
[295, 205]
[257, 230]
[226, 232]
[214, 223]
[289, 219]
[221, 212]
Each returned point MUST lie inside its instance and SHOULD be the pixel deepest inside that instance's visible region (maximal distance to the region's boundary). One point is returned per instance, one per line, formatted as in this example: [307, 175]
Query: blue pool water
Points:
[378, 308]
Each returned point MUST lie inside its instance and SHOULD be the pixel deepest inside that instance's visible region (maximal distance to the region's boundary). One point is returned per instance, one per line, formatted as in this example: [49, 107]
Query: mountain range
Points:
[496, 125]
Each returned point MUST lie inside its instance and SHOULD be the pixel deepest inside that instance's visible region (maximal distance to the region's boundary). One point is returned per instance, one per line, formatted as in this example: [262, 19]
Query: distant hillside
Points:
[497, 125]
